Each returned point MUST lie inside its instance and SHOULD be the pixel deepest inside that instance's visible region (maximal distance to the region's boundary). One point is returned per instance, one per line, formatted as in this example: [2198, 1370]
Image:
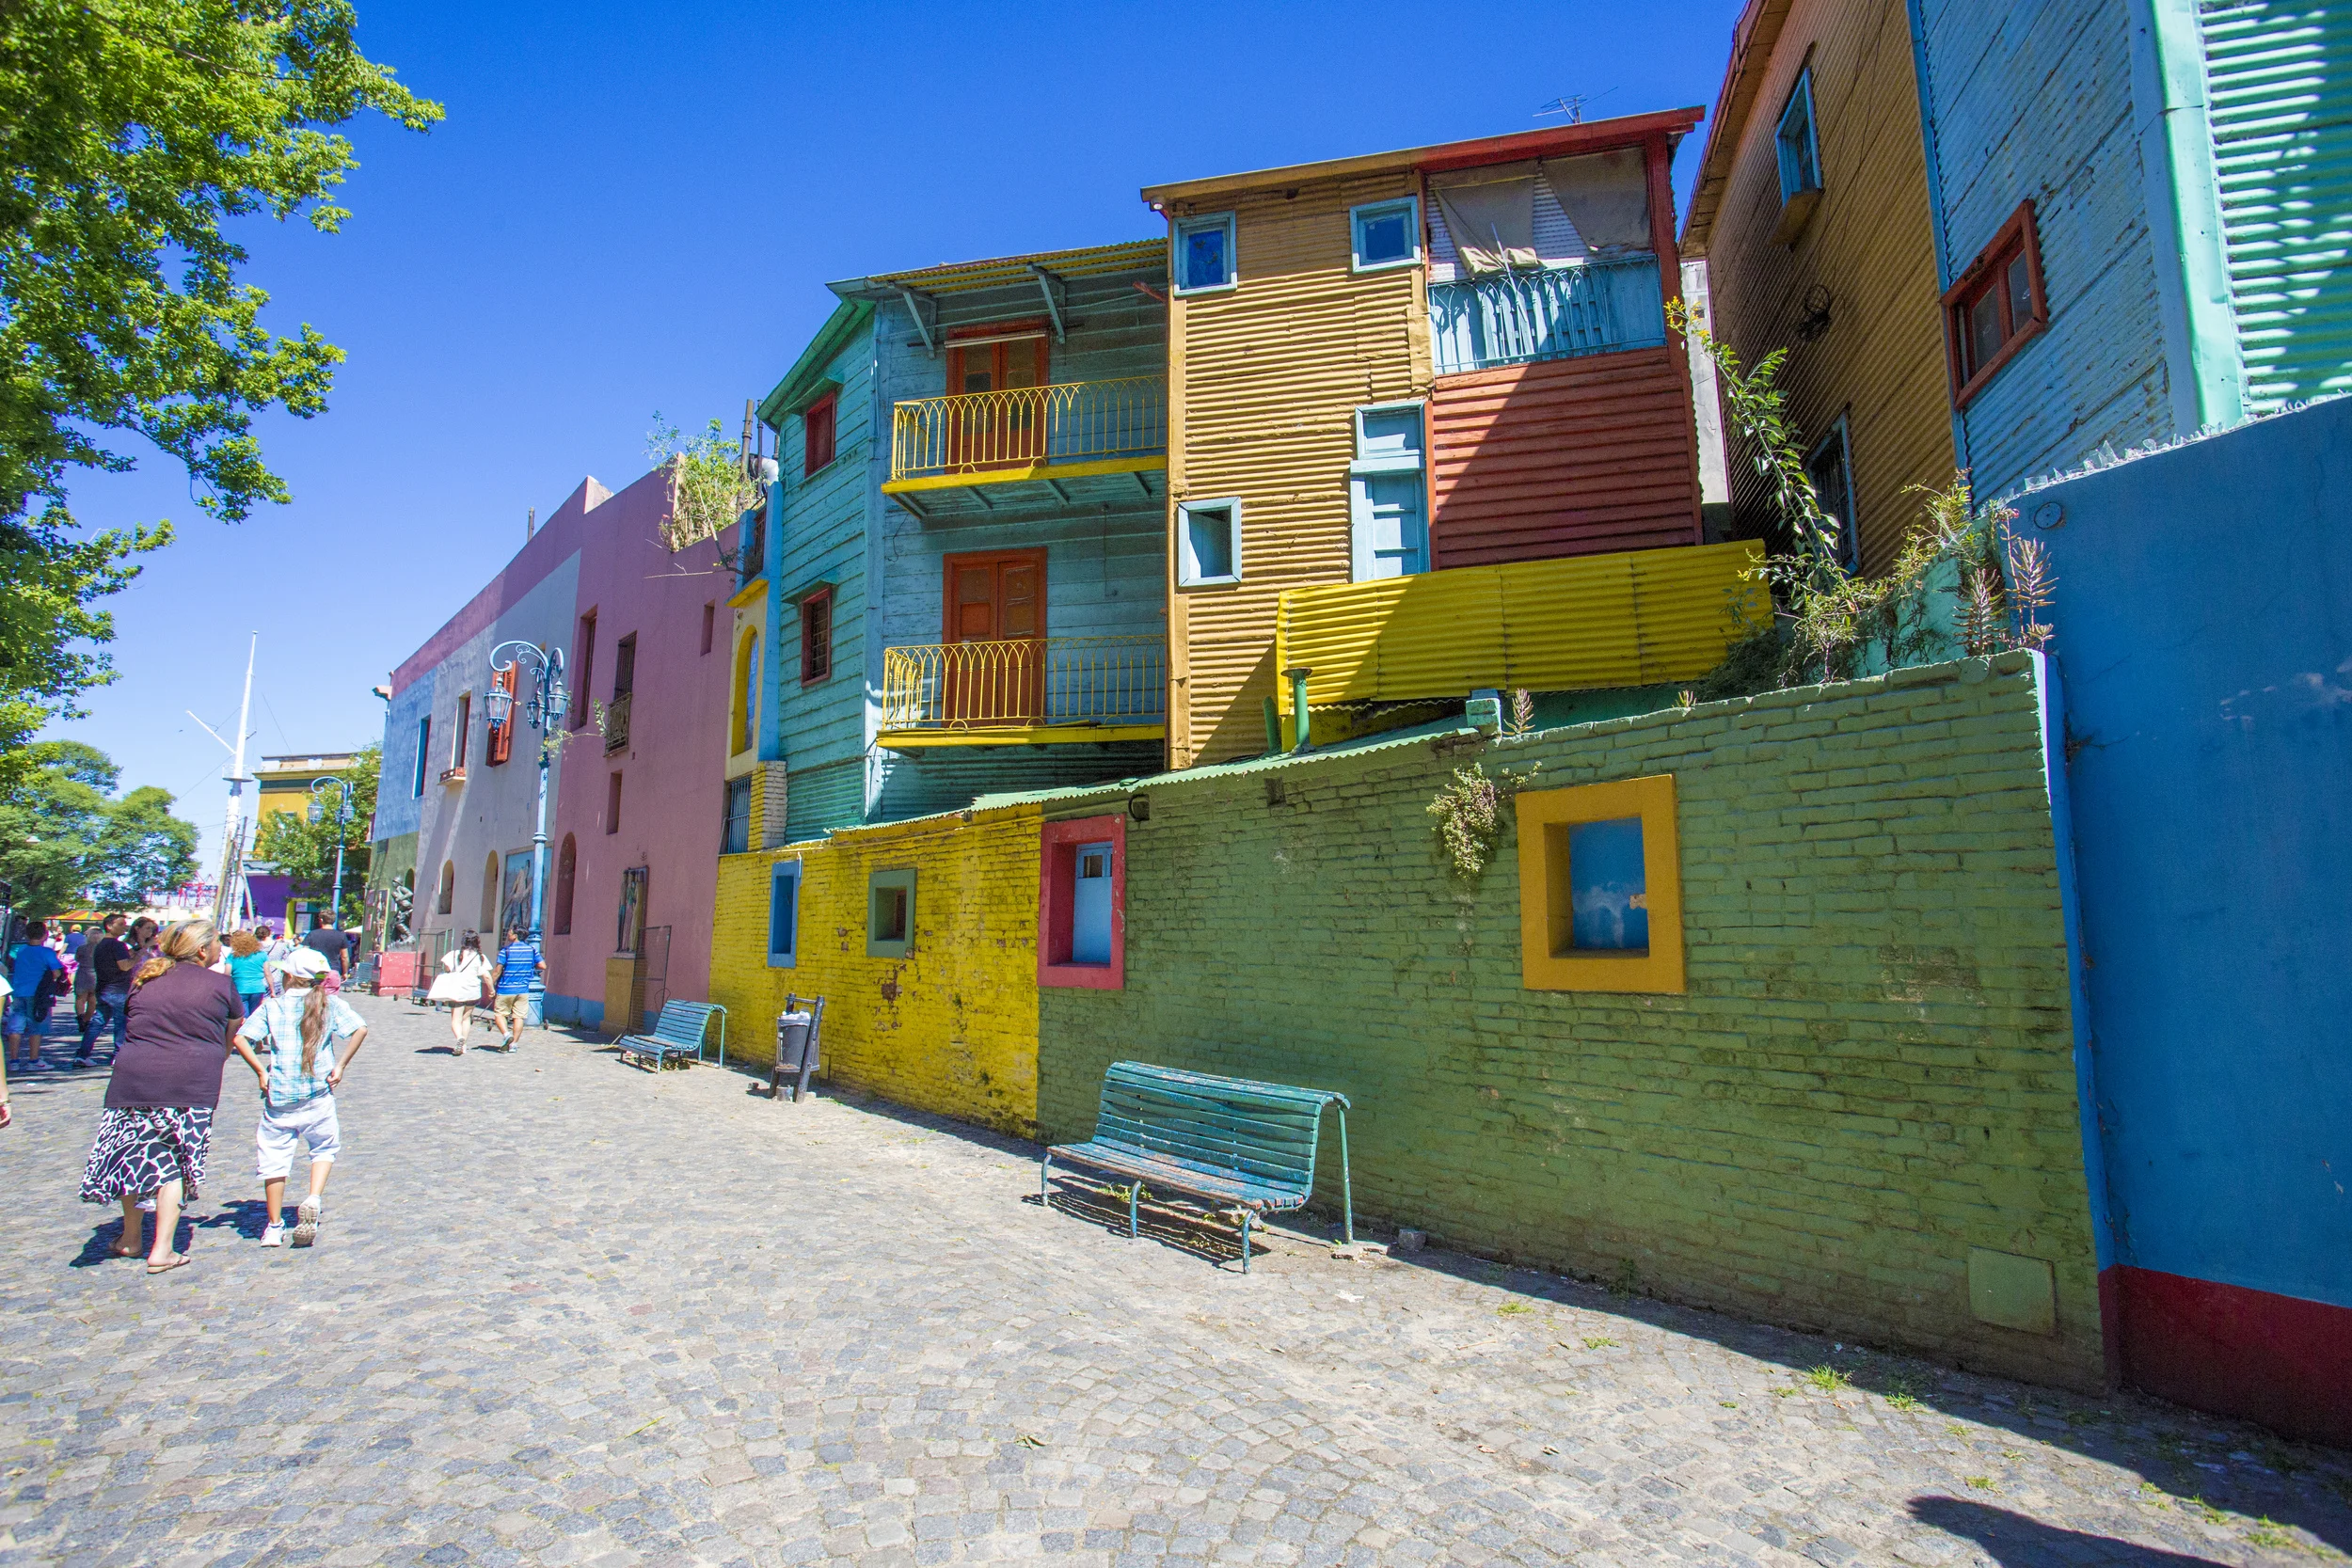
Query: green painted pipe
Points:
[1273, 727]
[1298, 705]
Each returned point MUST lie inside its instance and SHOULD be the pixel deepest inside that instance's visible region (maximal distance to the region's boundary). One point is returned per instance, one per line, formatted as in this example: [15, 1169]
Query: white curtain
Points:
[1606, 194]
[1490, 215]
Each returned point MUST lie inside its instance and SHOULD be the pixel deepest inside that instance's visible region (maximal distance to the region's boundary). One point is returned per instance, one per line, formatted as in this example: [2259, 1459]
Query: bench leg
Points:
[1134, 1190]
[1245, 1217]
[1044, 1193]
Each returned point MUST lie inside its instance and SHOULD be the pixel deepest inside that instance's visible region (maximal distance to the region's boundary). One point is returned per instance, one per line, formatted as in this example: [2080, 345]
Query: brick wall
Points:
[950, 1028]
[1871, 1074]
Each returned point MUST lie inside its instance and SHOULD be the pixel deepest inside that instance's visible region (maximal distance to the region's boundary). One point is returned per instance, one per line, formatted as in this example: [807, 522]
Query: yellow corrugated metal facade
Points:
[1869, 244]
[1263, 383]
[1635, 618]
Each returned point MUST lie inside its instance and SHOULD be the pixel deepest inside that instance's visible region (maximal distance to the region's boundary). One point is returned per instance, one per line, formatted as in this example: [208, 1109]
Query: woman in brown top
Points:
[157, 1127]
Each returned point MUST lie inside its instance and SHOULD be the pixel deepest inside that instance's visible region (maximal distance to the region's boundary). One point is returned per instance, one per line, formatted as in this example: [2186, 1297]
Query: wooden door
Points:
[997, 432]
[996, 601]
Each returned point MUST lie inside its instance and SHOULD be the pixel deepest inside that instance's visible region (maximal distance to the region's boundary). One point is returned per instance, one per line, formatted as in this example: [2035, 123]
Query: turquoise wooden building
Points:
[960, 585]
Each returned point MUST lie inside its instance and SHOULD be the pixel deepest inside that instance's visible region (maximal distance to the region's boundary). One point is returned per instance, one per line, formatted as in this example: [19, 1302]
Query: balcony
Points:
[1591, 621]
[1082, 441]
[1037, 691]
[616, 725]
[1550, 313]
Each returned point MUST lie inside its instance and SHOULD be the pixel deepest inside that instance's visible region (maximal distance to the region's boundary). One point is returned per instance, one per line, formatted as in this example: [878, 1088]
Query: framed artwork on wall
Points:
[515, 904]
[631, 938]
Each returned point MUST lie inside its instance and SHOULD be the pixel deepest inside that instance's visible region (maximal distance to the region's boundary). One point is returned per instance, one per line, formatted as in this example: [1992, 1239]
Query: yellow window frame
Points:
[1547, 962]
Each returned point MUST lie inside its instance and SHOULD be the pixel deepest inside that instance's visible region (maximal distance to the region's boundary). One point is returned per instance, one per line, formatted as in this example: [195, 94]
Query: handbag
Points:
[465, 986]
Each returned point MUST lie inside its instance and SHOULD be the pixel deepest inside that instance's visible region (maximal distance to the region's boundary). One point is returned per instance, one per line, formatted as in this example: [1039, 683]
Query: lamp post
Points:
[546, 709]
[342, 818]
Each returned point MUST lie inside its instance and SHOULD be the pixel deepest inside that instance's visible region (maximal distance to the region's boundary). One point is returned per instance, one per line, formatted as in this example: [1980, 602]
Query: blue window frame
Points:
[424, 752]
[1208, 542]
[1204, 253]
[1388, 523]
[784, 915]
[1386, 234]
[1800, 150]
[1090, 906]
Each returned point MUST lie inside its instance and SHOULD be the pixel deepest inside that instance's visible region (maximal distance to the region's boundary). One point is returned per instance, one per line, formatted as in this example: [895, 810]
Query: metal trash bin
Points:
[797, 1046]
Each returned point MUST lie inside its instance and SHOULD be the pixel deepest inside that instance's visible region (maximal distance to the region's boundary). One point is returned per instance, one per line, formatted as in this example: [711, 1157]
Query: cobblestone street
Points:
[564, 1312]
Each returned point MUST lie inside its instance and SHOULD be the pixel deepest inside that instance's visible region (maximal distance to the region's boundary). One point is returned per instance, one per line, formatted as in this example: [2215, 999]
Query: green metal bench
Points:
[678, 1031]
[1233, 1142]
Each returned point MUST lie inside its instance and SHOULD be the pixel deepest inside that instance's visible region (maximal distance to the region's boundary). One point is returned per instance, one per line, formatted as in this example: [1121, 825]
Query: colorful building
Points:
[1406, 388]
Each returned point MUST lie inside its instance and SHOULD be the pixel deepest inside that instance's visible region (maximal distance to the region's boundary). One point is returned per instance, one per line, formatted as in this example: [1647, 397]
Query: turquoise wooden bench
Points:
[678, 1031]
[1233, 1142]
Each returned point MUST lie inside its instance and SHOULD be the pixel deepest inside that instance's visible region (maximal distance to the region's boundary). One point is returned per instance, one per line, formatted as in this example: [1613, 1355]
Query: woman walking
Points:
[247, 963]
[156, 1130]
[464, 973]
[300, 1031]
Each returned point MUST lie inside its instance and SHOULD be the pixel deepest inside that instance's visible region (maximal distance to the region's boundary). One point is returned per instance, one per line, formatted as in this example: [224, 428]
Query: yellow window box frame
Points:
[1547, 962]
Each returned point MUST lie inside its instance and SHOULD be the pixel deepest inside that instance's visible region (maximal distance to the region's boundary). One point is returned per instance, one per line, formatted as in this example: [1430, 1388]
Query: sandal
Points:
[7, 1117]
[178, 1260]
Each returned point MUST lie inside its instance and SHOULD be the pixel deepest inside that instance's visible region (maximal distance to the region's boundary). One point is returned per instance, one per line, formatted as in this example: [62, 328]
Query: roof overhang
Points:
[799, 385]
[1556, 141]
[1008, 272]
[1753, 40]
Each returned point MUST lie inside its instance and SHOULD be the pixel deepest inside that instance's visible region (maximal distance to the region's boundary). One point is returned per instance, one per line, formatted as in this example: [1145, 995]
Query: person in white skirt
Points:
[464, 980]
[301, 1031]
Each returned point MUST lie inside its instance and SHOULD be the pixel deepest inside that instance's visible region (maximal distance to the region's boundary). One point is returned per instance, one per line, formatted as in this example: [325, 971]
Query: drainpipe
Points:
[1273, 728]
[1297, 677]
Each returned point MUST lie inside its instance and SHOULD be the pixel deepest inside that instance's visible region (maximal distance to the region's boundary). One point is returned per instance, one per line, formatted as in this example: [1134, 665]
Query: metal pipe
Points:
[1273, 727]
[1297, 676]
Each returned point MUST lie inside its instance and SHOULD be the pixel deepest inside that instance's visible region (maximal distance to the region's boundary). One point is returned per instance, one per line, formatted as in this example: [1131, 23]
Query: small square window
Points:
[817, 425]
[1204, 253]
[890, 913]
[1082, 891]
[1600, 890]
[1996, 305]
[1799, 150]
[784, 915]
[735, 833]
[1208, 542]
[1386, 234]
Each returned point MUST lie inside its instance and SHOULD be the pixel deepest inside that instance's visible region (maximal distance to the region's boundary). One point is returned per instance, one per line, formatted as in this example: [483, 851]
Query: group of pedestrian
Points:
[468, 980]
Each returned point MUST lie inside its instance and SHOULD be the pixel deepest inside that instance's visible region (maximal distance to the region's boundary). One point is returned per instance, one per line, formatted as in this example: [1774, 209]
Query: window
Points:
[465, 728]
[448, 896]
[784, 914]
[746, 694]
[586, 643]
[816, 637]
[890, 913]
[425, 754]
[612, 805]
[816, 434]
[1204, 253]
[1799, 152]
[1600, 889]
[1998, 303]
[566, 874]
[1386, 234]
[1081, 904]
[1208, 542]
[1830, 470]
[735, 832]
[489, 921]
[624, 666]
[710, 624]
[1388, 522]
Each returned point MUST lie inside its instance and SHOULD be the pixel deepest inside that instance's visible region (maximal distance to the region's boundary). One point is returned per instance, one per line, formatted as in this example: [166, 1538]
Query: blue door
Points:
[1090, 911]
[1395, 540]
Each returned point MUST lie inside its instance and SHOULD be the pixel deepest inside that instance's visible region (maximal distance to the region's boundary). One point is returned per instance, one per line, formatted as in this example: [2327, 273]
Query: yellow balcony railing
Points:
[1635, 618]
[1087, 683]
[1025, 429]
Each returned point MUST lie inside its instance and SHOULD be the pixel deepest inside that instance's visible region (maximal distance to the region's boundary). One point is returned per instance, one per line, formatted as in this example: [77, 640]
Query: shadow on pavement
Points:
[2017, 1542]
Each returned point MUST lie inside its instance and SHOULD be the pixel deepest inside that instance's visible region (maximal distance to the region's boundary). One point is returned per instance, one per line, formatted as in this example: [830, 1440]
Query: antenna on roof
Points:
[1572, 105]
[531, 523]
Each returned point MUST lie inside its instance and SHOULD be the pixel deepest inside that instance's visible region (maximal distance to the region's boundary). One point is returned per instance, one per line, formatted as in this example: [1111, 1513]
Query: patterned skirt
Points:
[140, 1148]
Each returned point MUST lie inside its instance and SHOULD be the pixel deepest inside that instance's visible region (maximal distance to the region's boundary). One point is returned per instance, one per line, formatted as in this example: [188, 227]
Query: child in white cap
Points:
[300, 1031]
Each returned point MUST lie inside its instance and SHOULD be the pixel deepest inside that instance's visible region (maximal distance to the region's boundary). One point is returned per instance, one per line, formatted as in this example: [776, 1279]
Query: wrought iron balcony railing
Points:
[1089, 682]
[1025, 428]
[616, 725]
[1548, 314]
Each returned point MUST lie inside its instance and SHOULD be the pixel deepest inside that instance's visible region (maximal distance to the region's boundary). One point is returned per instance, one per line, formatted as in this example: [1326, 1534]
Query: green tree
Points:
[65, 841]
[305, 851]
[132, 132]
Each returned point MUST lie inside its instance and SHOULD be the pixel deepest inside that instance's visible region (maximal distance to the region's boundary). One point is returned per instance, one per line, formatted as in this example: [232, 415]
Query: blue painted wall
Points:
[399, 807]
[2204, 638]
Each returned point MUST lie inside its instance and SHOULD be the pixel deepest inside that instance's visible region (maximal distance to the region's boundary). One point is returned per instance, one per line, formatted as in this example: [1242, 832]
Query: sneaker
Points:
[272, 1234]
[305, 1228]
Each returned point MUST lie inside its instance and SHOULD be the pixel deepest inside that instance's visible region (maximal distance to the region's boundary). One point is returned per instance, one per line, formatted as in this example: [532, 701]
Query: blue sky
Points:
[635, 208]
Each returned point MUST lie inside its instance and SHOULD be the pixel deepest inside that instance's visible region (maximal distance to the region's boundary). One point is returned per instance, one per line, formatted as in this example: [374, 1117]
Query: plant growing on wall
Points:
[708, 489]
[1472, 815]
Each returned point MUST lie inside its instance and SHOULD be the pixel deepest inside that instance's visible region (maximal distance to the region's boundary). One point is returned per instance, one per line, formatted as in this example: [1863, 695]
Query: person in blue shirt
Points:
[520, 967]
[35, 976]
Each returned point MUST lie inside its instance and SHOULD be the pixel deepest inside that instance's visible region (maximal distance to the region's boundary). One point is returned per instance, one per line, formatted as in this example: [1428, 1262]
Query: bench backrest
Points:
[1265, 1131]
[684, 1023]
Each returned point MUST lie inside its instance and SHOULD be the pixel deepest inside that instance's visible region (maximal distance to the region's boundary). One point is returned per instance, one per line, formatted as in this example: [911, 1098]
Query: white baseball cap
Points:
[306, 963]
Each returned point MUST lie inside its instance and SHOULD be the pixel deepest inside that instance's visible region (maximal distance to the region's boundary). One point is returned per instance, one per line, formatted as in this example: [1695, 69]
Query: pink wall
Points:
[672, 783]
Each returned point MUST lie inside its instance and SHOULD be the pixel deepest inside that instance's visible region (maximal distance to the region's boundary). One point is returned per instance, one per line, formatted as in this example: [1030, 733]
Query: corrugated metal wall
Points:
[1265, 381]
[1565, 457]
[2279, 83]
[1869, 245]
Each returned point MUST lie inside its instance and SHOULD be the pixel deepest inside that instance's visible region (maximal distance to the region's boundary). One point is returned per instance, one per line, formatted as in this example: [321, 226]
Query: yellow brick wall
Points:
[950, 1028]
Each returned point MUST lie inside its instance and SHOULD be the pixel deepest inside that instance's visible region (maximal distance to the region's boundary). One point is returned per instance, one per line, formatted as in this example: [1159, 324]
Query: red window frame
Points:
[1985, 279]
[816, 637]
[817, 434]
[502, 742]
[1056, 900]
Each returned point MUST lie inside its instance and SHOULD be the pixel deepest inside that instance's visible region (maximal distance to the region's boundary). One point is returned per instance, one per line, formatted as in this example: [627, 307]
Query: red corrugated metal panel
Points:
[1565, 457]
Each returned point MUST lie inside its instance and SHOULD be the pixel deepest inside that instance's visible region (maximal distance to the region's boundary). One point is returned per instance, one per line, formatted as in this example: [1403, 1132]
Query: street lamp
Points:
[342, 817]
[548, 703]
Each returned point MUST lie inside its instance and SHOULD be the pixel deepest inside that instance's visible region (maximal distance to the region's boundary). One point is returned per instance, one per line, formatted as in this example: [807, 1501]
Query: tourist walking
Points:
[153, 1136]
[520, 967]
[329, 943]
[249, 965]
[111, 960]
[301, 1032]
[464, 983]
[36, 974]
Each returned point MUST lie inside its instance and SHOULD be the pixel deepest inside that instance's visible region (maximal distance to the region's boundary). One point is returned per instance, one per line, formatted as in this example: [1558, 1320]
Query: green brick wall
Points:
[1871, 1073]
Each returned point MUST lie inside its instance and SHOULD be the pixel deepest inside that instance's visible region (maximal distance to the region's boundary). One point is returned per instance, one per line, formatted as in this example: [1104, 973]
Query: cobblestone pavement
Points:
[566, 1312]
